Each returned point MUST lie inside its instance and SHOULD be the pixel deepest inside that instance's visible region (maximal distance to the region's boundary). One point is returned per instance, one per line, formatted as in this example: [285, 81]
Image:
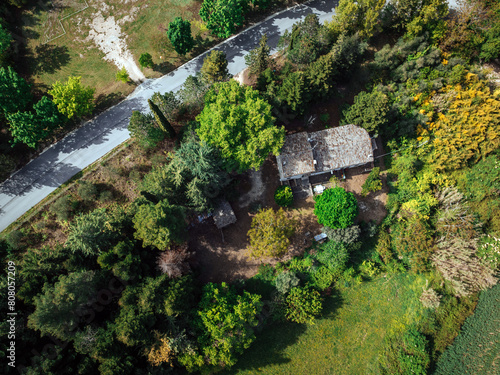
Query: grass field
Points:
[346, 340]
[53, 55]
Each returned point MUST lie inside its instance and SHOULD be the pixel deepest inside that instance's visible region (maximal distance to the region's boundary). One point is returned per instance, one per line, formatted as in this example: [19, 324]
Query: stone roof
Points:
[224, 214]
[324, 151]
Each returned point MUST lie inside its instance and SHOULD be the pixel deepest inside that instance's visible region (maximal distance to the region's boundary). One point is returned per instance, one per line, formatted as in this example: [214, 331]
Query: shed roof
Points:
[324, 150]
[224, 214]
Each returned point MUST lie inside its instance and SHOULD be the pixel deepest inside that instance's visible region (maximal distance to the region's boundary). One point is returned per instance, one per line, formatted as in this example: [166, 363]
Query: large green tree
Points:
[214, 67]
[15, 94]
[258, 59]
[270, 233]
[238, 122]
[222, 17]
[31, 128]
[160, 225]
[72, 98]
[179, 33]
[161, 120]
[360, 16]
[369, 111]
[295, 92]
[143, 128]
[224, 325]
[61, 307]
[336, 208]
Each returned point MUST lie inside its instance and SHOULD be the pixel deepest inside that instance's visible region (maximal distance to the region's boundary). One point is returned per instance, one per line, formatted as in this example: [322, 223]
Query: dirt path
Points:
[108, 37]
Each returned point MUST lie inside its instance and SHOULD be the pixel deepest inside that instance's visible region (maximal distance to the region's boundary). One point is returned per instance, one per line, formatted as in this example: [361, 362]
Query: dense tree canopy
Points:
[369, 111]
[238, 122]
[357, 16]
[15, 94]
[258, 59]
[214, 67]
[144, 129]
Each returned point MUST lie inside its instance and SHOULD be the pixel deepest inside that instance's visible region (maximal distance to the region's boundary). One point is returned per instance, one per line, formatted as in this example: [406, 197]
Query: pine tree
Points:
[161, 120]
[258, 59]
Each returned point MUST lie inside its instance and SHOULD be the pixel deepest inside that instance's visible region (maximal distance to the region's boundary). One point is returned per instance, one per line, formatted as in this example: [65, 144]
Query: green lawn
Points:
[349, 337]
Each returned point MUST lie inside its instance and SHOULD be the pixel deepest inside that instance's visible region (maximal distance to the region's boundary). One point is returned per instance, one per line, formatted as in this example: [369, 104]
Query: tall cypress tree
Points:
[161, 120]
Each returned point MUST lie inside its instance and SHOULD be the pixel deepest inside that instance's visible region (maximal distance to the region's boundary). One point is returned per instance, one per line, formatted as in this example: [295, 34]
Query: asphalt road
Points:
[97, 137]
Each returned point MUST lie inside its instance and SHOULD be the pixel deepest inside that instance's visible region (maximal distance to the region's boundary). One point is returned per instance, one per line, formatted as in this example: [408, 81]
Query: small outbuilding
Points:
[224, 214]
[309, 154]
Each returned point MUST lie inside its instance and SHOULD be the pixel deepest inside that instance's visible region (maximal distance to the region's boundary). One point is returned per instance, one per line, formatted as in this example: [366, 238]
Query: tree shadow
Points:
[104, 101]
[164, 67]
[49, 58]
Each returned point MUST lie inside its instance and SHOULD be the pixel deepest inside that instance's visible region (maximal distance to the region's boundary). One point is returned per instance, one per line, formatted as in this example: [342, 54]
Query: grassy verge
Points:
[349, 337]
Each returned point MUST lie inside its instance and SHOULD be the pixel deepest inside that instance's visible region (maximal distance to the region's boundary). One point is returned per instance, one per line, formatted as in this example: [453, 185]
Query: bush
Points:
[62, 208]
[303, 304]
[146, 60]
[323, 278]
[373, 182]
[87, 190]
[105, 196]
[336, 208]
[489, 251]
[283, 196]
[122, 75]
[346, 236]
[14, 239]
[334, 256]
[285, 281]
[368, 269]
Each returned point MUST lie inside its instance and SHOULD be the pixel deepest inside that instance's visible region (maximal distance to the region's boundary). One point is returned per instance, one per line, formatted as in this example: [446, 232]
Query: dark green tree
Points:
[143, 128]
[336, 208]
[123, 260]
[179, 33]
[222, 17]
[5, 43]
[214, 67]
[193, 90]
[238, 122]
[60, 308]
[320, 76]
[161, 120]
[160, 225]
[347, 51]
[15, 94]
[168, 103]
[258, 59]
[295, 92]
[146, 60]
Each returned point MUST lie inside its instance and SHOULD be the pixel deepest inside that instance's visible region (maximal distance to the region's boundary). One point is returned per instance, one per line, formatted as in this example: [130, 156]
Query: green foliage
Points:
[224, 328]
[5, 43]
[356, 16]
[368, 269]
[489, 251]
[334, 256]
[258, 59]
[193, 91]
[179, 33]
[161, 120]
[62, 207]
[294, 91]
[346, 52]
[122, 75]
[87, 190]
[15, 93]
[146, 60]
[430, 19]
[193, 178]
[168, 103]
[369, 111]
[160, 225]
[30, 128]
[323, 278]
[283, 196]
[336, 208]
[347, 236]
[285, 281]
[405, 353]
[214, 68]
[320, 77]
[143, 128]
[475, 348]
[222, 17]
[373, 182]
[91, 233]
[72, 98]
[238, 122]
[483, 179]
[58, 308]
[303, 305]
[270, 233]
[122, 260]
[307, 41]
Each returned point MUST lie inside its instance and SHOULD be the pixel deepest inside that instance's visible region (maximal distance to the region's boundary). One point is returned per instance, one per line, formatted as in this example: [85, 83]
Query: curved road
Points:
[97, 137]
